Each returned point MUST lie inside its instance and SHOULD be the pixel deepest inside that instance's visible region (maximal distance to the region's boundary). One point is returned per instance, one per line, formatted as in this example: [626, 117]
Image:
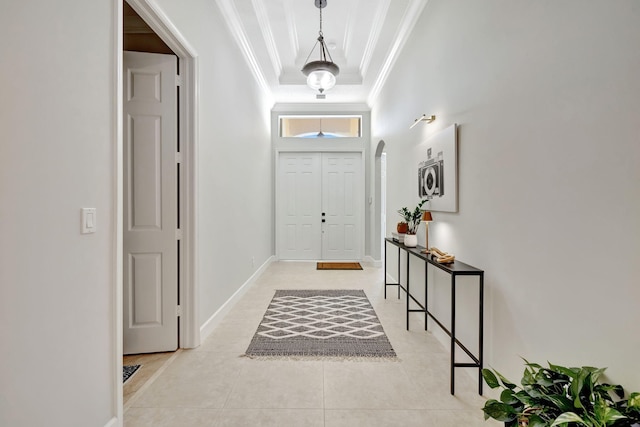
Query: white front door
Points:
[150, 285]
[319, 212]
[299, 206]
[341, 202]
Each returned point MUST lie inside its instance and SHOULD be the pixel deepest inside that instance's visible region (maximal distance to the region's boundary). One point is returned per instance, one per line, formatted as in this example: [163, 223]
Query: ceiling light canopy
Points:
[321, 74]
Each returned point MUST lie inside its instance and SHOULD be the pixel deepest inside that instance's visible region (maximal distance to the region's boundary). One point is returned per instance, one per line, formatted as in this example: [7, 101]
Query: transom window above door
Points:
[320, 126]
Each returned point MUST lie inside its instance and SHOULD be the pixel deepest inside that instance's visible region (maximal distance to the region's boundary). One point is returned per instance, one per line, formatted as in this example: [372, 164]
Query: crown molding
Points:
[409, 19]
[267, 33]
[231, 17]
[374, 36]
[291, 25]
[346, 41]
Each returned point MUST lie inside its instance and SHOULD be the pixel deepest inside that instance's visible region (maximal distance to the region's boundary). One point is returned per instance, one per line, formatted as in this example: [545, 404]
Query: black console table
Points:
[454, 269]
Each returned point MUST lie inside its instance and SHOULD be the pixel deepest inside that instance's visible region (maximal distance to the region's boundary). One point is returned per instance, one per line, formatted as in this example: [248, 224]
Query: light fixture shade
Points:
[321, 75]
[426, 216]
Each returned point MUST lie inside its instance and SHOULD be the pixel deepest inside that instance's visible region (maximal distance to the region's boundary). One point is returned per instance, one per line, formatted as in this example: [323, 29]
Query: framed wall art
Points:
[438, 171]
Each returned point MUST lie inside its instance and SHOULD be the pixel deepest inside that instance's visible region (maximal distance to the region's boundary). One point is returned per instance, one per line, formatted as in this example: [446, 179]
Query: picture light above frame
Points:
[423, 118]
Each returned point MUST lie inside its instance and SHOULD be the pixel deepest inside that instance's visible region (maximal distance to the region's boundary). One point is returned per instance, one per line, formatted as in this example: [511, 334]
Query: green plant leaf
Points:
[570, 372]
[528, 378]
[634, 401]
[561, 402]
[604, 389]
[606, 414]
[596, 373]
[505, 382]
[543, 380]
[568, 417]
[490, 378]
[535, 392]
[525, 398]
[499, 411]
[577, 388]
[531, 365]
[536, 421]
[507, 396]
[612, 415]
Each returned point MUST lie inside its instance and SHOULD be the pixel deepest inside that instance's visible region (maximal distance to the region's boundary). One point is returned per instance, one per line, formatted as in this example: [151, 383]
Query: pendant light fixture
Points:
[321, 74]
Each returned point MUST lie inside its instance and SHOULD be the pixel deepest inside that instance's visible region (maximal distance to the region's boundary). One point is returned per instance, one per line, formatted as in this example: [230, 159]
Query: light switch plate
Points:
[88, 220]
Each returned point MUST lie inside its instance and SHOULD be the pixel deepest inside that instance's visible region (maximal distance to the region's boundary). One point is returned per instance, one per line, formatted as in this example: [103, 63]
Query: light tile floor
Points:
[149, 365]
[214, 386]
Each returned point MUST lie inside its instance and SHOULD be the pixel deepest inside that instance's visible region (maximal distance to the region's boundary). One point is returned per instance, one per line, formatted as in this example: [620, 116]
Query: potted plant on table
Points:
[402, 227]
[560, 396]
[412, 218]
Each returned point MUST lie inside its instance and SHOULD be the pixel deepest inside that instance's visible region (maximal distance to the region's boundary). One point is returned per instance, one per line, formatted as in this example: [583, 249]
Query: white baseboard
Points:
[374, 262]
[113, 422]
[214, 320]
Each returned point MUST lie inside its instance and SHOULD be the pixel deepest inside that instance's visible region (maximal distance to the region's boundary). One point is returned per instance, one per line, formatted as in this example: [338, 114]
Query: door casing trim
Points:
[188, 66]
[188, 133]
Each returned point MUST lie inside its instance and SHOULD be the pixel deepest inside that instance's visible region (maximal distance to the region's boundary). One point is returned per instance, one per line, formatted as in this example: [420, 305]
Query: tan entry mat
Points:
[339, 266]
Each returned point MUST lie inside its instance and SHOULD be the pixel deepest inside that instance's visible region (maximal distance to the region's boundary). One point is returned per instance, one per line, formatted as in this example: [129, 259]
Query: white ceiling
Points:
[364, 37]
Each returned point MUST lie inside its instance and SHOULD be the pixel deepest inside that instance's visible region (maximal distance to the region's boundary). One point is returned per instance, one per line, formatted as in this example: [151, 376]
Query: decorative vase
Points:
[402, 227]
[410, 240]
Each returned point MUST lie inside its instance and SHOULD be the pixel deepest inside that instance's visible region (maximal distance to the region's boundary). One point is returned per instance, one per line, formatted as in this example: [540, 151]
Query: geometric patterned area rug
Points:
[128, 371]
[320, 323]
[338, 266]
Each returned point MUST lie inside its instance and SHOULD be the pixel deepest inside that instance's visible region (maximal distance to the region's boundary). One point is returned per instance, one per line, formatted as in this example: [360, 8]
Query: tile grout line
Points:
[324, 396]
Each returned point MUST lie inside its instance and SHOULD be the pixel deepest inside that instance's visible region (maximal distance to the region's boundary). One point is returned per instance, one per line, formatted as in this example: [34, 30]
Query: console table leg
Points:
[426, 298]
[453, 332]
[407, 293]
[385, 269]
[399, 271]
[481, 334]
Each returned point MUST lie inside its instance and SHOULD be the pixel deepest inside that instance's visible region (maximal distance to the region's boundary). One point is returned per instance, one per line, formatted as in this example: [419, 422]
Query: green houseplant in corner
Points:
[412, 218]
[560, 396]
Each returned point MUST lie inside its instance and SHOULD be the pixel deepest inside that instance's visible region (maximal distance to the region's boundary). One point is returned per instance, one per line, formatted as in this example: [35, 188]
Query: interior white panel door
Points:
[299, 206]
[341, 206]
[150, 290]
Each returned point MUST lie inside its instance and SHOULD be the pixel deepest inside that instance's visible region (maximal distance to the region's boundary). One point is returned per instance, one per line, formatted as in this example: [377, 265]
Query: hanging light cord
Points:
[323, 50]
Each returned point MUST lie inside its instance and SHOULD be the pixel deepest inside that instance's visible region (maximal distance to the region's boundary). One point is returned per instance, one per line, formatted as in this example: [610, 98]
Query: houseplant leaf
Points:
[505, 382]
[490, 378]
[606, 414]
[570, 372]
[499, 411]
[528, 378]
[604, 389]
[507, 396]
[531, 365]
[563, 403]
[610, 415]
[525, 398]
[568, 417]
[634, 401]
[536, 421]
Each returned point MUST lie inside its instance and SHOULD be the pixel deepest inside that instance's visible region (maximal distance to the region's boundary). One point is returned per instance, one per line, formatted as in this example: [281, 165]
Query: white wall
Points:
[547, 97]
[56, 156]
[235, 163]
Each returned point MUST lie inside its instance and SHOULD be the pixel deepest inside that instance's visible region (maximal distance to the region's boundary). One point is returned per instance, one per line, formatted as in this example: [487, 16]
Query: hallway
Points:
[214, 386]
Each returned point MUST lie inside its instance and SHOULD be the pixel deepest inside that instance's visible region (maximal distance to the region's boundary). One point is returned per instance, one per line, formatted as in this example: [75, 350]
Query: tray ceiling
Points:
[364, 38]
